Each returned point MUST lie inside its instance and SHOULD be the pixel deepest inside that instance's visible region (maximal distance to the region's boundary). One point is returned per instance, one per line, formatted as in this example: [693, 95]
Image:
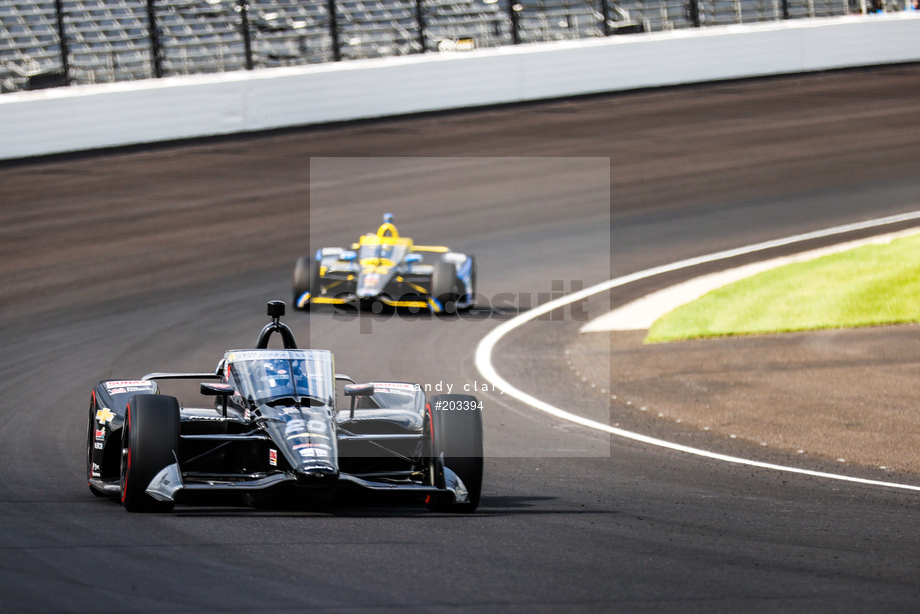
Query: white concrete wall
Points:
[89, 117]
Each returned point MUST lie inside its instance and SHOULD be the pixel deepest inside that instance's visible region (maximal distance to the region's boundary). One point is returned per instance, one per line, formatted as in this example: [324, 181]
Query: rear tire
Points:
[457, 445]
[445, 287]
[150, 441]
[306, 279]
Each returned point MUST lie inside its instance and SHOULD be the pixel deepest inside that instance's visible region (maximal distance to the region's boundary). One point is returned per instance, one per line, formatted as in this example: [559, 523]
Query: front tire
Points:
[456, 428]
[150, 442]
[445, 287]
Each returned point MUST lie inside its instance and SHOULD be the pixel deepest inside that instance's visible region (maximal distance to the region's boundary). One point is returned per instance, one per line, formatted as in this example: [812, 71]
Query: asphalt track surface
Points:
[119, 264]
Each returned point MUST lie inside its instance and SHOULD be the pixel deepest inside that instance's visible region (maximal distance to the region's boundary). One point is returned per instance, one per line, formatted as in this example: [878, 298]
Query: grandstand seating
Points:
[111, 40]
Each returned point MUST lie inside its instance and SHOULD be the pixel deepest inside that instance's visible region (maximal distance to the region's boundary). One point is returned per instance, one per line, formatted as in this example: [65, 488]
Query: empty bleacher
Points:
[107, 41]
[546, 20]
[29, 42]
[290, 32]
[46, 43]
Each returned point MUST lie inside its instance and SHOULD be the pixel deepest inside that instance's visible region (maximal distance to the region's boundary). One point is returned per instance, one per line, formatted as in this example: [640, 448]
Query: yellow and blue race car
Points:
[387, 268]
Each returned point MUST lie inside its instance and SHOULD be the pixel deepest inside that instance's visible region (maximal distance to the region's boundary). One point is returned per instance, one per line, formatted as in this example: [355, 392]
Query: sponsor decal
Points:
[388, 390]
[118, 391]
[104, 415]
[97, 445]
[100, 433]
[313, 453]
[307, 436]
[95, 470]
[141, 384]
[311, 445]
[316, 426]
[273, 458]
[396, 386]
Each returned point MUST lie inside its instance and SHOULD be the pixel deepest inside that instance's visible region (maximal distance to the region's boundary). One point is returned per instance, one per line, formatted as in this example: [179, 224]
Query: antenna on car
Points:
[275, 311]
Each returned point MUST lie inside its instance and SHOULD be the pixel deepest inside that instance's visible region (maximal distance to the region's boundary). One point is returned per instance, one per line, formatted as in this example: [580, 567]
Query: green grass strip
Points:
[867, 286]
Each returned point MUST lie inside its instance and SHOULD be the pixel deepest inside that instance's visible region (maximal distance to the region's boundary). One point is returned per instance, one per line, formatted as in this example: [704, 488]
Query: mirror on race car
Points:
[215, 390]
[357, 390]
[211, 389]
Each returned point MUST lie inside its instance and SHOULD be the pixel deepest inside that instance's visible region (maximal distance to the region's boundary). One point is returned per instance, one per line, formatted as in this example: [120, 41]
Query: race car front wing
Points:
[168, 485]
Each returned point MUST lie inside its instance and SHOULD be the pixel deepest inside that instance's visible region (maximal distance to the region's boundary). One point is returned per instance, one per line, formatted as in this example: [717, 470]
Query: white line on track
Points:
[484, 350]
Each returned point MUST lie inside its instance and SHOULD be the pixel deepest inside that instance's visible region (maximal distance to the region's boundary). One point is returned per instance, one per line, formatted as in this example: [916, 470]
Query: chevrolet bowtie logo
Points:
[104, 415]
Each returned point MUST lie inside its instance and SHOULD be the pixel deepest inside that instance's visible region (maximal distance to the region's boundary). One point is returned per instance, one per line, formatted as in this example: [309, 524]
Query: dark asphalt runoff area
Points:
[122, 263]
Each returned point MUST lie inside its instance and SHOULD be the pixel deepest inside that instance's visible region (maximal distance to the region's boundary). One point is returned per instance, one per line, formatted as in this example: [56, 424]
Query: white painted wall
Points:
[88, 117]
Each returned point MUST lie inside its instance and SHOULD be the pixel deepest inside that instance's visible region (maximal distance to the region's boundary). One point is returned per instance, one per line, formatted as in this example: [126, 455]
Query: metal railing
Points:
[47, 43]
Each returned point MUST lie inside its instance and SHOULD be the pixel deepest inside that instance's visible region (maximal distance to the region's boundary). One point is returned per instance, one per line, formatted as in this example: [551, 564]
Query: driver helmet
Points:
[277, 373]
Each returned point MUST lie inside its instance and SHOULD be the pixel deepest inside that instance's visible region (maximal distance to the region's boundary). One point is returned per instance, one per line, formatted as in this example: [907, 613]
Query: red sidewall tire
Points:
[150, 442]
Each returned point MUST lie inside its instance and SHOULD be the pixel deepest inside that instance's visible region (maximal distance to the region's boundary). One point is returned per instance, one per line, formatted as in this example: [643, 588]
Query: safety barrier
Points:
[88, 117]
[51, 43]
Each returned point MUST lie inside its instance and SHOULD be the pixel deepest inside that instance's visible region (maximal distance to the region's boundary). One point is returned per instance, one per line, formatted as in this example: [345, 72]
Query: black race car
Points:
[388, 268]
[275, 428]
